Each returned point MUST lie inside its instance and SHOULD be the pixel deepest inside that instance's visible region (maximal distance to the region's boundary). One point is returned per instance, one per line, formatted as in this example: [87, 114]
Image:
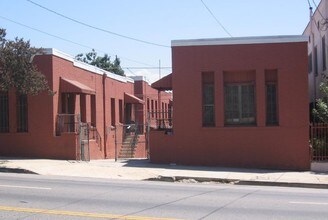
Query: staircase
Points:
[129, 146]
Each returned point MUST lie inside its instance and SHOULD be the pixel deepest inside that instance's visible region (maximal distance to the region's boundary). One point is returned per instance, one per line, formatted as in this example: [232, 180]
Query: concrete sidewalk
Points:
[143, 170]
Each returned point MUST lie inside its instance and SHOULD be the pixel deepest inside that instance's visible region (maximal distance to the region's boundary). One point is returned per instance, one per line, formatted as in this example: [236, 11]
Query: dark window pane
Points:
[22, 113]
[310, 63]
[4, 112]
[271, 108]
[208, 105]
[239, 104]
[316, 61]
[324, 53]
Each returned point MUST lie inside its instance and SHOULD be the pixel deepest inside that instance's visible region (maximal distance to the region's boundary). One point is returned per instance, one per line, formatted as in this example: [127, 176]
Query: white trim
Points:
[85, 66]
[140, 78]
[240, 40]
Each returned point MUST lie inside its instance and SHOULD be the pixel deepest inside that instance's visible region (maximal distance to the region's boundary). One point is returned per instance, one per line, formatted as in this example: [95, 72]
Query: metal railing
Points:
[94, 134]
[68, 123]
[319, 141]
[160, 120]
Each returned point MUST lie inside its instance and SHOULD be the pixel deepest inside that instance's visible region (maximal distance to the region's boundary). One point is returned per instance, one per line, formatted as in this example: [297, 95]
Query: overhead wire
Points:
[215, 18]
[316, 6]
[97, 28]
[70, 41]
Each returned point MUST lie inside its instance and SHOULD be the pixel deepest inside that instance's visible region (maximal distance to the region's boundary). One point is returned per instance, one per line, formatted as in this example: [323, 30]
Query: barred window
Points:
[310, 63]
[22, 113]
[271, 104]
[315, 61]
[239, 104]
[4, 112]
[120, 110]
[208, 105]
[323, 53]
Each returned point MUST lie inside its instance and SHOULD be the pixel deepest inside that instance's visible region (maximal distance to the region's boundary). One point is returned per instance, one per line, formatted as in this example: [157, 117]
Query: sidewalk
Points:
[143, 170]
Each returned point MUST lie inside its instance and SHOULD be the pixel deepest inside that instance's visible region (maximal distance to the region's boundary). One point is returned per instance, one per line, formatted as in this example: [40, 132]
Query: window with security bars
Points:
[310, 63]
[315, 61]
[208, 105]
[239, 100]
[271, 104]
[22, 113]
[323, 40]
[4, 112]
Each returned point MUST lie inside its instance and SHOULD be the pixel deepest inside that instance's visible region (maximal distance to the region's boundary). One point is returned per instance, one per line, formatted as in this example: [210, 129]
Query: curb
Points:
[237, 182]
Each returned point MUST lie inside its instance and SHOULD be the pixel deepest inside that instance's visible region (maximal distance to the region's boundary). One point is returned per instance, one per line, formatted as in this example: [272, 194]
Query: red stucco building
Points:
[92, 115]
[238, 102]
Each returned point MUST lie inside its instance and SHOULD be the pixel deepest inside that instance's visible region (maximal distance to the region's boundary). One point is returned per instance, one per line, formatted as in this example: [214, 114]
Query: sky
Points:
[154, 21]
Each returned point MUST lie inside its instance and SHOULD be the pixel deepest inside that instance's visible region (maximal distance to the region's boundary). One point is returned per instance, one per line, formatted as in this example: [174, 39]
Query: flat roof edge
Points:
[85, 66]
[241, 40]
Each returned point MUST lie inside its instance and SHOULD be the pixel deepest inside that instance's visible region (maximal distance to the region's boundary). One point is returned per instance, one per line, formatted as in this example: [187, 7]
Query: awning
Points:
[72, 86]
[163, 84]
[128, 98]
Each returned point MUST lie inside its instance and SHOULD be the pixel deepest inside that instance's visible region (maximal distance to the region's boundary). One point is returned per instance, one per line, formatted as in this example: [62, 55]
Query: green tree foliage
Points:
[102, 62]
[321, 110]
[16, 67]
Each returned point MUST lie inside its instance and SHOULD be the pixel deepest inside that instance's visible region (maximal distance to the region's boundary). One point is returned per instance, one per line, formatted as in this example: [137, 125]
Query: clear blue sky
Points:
[158, 21]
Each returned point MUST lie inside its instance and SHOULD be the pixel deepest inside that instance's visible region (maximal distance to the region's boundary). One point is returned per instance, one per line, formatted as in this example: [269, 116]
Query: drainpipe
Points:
[104, 113]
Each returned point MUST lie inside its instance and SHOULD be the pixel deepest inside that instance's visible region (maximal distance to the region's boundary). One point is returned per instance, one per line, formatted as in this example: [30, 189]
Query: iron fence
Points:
[67, 123]
[93, 134]
[160, 120]
[319, 141]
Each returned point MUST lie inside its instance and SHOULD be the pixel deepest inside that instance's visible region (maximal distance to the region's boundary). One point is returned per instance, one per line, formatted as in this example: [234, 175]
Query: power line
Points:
[308, 1]
[97, 28]
[67, 40]
[216, 19]
[316, 6]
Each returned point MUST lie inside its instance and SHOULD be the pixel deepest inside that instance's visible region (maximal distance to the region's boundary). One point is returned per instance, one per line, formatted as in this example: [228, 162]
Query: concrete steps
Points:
[128, 151]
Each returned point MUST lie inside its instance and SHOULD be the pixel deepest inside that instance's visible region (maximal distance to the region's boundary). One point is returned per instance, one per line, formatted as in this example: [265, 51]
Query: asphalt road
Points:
[26, 196]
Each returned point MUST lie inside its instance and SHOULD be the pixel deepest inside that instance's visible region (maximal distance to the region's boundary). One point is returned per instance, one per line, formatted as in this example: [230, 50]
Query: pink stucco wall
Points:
[280, 147]
[41, 141]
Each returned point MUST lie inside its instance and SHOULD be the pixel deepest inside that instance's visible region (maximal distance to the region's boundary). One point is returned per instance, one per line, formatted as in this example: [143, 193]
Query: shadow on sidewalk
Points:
[15, 170]
[145, 163]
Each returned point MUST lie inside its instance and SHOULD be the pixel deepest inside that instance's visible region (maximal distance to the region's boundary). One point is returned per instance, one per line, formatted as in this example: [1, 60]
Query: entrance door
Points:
[128, 112]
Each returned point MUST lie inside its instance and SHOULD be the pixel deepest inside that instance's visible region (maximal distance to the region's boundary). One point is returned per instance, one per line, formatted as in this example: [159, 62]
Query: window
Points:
[271, 104]
[148, 107]
[93, 111]
[120, 106]
[208, 99]
[152, 108]
[239, 100]
[208, 105]
[310, 63]
[156, 111]
[112, 108]
[22, 114]
[324, 53]
[4, 112]
[316, 61]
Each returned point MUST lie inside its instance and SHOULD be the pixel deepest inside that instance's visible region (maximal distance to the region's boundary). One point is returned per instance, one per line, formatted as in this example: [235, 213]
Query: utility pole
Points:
[159, 68]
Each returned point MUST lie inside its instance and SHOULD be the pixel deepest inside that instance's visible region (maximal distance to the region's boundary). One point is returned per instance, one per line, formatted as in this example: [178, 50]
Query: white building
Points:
[317, 30]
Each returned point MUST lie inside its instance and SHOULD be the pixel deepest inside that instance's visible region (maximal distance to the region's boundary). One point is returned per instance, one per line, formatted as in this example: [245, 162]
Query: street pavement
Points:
[143, 170]
[26, 196]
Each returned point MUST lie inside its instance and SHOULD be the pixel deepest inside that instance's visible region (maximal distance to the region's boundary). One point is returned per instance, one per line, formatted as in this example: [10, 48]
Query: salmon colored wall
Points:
[41, 141]
[280, 147]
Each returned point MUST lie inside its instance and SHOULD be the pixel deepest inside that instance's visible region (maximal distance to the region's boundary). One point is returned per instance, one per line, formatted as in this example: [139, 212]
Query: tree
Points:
[321, 110]
[102, 62]
[16, 67]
